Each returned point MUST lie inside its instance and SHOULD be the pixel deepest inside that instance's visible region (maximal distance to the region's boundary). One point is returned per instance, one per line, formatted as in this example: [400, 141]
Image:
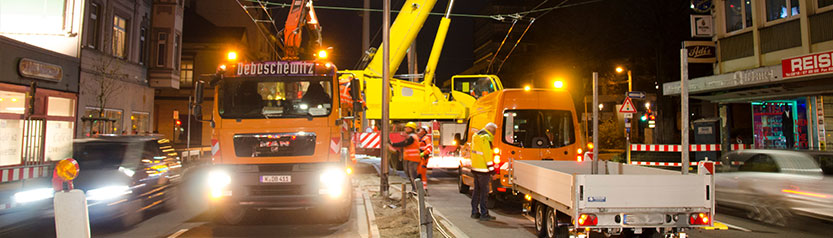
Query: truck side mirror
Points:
[197, 111]
[198, 91]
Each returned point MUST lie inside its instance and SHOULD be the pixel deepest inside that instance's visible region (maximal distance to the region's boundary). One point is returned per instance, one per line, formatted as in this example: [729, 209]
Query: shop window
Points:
[738, 14]
[186, 73]
[119, 36]
[779, 9]
[12, 102]
[58, 142]
[11, 134]
[62, 107]
[109, 122]
[140, 123]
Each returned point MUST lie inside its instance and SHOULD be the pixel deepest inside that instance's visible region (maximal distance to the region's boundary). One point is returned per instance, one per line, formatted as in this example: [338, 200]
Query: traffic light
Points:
[178, 122]
[644, 117]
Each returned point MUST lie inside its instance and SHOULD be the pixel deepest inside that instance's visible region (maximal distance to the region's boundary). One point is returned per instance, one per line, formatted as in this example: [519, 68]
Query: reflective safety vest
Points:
[426, 145]
[481, 152]
[411, 152]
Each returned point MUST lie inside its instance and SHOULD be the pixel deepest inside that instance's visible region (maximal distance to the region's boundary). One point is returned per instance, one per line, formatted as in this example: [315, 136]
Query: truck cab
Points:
[534, 124]
[277, 141]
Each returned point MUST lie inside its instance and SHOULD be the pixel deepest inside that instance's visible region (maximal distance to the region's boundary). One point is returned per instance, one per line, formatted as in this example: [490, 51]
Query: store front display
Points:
[781, 124]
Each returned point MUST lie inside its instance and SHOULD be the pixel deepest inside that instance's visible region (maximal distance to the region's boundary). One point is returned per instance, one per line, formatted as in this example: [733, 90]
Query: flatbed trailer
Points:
[567, 200]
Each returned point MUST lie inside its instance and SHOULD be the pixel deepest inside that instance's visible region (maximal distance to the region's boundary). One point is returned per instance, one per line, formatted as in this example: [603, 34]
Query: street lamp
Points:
[619, 69]
[648, 105]
[601, 106]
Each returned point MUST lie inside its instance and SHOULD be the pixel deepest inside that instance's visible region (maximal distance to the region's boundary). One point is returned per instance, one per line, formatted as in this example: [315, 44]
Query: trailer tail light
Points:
[699, 219]
[579, 159]
[587, 220]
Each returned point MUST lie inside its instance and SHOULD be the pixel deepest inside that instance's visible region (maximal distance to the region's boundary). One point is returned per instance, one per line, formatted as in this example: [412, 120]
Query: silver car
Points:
[773, 185]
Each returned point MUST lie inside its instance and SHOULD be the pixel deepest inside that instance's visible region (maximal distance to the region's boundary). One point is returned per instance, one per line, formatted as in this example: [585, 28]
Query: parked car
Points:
[774, 185]
[124, 176]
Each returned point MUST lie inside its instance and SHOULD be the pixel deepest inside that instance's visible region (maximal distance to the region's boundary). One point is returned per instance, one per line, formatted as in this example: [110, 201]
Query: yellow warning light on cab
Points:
[322, 54]
[558, 84]
[527, 88]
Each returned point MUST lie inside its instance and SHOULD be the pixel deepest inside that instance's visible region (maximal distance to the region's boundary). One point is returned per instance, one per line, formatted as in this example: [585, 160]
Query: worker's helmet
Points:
[412, 125]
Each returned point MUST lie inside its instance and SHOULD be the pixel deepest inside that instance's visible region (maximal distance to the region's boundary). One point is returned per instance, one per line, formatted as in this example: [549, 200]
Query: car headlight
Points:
[33, 195]
[108, 192]
[126, 171]
[218, 181]
[332, 181]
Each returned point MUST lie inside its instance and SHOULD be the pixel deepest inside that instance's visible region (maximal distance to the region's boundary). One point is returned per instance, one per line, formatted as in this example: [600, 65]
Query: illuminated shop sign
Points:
[276, 68]
[807, 65]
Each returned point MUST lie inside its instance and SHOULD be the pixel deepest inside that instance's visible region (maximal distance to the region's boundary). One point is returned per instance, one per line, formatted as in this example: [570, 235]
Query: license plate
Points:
[276, 179]
[644, 219]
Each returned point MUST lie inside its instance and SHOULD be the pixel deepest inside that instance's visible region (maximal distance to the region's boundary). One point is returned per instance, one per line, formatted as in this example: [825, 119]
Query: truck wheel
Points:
[491, 201]
[540, 220]
[461, 186]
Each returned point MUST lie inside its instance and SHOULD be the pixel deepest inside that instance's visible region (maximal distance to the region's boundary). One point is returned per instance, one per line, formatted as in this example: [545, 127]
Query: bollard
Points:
[71, 216]
[426, 224]
[72, 220]
[404, 199]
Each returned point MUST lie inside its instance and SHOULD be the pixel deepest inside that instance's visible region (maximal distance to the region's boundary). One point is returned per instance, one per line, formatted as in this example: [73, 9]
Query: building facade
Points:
[128, 49]
[771, 81]
[39, 64]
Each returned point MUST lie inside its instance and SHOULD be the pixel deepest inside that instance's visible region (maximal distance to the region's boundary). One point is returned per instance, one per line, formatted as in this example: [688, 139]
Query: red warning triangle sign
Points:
[627, 106]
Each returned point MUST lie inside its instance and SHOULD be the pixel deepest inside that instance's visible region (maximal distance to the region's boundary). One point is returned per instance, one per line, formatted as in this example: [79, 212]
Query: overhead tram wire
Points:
[263, 34]
[495, 16]
[522, 34]
[508, 33]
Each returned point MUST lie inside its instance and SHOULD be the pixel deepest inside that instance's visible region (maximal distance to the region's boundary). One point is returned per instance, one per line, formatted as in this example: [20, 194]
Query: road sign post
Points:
[628, 109]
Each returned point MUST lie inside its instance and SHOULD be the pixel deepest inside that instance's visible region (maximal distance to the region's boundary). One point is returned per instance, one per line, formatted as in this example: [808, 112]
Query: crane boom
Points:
[403, 32]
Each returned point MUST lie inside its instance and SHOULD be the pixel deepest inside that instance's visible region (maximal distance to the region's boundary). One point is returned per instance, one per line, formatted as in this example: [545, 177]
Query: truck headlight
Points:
[108, 192]
[33, 195]
[332, 182]
[218, 181]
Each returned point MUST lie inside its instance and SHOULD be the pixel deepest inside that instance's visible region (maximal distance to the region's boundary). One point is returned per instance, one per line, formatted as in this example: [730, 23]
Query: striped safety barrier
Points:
[670, 164]
[679, 148]
[24, 172]
[371, 140]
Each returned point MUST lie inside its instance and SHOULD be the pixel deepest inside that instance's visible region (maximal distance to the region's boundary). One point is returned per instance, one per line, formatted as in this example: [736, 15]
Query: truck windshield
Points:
[275, 97]
[476, 87]
[538, 128]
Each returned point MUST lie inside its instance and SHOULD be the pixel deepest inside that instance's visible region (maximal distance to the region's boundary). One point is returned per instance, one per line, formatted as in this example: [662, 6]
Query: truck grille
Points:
[274, 144]
[275, 190]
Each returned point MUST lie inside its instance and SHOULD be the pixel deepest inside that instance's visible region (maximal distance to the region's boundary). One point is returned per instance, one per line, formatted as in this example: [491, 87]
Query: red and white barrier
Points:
[21, 173]
[679, 148]
[670, 164]
[369, 140]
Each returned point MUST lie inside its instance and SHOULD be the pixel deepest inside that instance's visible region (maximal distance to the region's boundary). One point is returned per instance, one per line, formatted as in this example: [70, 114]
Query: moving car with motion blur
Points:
[772, 186]
[124, 176]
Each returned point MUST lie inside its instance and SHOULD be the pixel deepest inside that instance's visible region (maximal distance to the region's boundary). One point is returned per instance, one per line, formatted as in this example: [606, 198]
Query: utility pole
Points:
[385, 95]
[684, 102]
[366, 26]
[596, 147]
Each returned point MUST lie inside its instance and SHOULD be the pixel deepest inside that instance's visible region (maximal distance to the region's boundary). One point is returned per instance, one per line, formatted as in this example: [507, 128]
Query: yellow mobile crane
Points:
[423, 102]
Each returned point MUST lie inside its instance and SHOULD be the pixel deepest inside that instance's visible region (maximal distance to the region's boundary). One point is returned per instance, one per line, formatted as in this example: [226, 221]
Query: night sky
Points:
[567, 43]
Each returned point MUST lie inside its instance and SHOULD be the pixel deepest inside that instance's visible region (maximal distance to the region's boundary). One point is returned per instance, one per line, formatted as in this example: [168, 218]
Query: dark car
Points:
[124, 176]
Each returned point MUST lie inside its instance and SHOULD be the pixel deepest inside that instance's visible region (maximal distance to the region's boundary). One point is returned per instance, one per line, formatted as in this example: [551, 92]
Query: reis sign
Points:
[813, 64]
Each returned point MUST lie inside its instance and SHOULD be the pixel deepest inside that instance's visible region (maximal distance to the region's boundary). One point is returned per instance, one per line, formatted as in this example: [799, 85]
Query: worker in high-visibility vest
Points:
[410, 153]
[482, 168]
[426, 148]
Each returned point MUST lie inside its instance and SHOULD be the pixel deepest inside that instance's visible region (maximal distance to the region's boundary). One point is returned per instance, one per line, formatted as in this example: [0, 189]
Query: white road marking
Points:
[178, 233]
[734, 226]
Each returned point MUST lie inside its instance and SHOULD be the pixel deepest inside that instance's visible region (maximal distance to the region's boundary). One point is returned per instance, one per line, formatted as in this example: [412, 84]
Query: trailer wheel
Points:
[553, 229]
[540, 220]
[461, 186]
